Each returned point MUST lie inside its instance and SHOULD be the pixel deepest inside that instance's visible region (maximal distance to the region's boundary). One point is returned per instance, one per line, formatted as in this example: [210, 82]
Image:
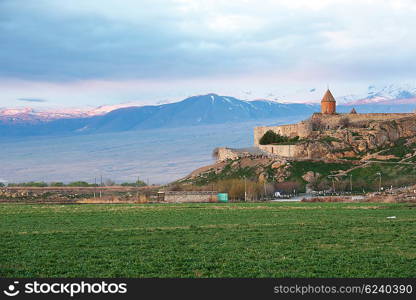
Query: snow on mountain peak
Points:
[393, 93]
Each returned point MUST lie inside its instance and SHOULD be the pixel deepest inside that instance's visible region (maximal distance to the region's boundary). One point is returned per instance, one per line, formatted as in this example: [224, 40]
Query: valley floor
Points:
[208, 240]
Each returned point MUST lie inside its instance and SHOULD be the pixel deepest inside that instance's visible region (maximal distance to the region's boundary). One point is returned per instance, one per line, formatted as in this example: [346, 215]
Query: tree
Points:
[79, 183]
[271, 137]
[288, 186]
[317, 124]
[140, 183]
[344, 122]
[215, 153]
[109, 182]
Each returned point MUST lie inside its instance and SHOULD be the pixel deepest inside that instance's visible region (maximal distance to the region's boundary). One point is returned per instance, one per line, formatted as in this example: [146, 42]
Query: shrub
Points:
[137, 183]
[271, 137]
[79, 183]
[400, 149]
[31, 184]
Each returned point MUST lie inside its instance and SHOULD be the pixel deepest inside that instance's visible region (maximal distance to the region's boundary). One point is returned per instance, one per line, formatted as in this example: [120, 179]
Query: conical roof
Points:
[328, 97]
[353, 111]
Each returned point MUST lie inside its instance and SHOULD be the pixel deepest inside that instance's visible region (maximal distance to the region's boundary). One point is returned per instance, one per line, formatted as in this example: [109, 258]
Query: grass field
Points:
[208, 240]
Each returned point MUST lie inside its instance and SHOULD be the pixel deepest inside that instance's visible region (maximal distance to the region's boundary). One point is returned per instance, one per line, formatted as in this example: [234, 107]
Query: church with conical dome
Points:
[328, 103]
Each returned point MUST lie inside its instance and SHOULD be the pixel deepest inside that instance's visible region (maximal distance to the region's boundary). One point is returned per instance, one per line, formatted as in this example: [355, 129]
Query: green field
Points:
[208, 240]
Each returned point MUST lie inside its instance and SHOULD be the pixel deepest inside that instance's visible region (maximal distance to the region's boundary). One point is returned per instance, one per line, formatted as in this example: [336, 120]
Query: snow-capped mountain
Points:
[31, 115]
[197, 110]
[389, 94]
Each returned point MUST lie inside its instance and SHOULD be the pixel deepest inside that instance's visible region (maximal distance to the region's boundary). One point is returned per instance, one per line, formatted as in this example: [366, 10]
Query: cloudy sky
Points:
[74, 53]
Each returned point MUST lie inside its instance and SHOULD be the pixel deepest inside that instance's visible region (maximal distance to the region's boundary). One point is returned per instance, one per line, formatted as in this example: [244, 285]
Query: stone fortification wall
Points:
[282, 150]
[333, 120]
[302, 129]
[225, 153]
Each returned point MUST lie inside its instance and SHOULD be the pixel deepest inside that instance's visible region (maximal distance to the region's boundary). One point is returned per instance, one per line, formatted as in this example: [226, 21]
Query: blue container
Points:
[223, 197]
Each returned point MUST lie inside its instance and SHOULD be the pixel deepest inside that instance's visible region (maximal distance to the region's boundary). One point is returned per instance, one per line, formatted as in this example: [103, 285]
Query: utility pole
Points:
[101, 185]
[333, 182]
[137, 190]
[351, 182]
[379, 182]
[245, 189]
[95, 185]
[212, 192]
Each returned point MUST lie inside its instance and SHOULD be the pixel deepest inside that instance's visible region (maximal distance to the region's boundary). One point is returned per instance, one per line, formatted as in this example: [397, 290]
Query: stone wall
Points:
[226, 153]
[333, 120]
[190, 197]
[302, 129]
[282, 150]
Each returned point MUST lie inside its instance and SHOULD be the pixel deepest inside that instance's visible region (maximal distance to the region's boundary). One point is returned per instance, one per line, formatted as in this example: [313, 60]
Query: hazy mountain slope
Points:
[197, 110]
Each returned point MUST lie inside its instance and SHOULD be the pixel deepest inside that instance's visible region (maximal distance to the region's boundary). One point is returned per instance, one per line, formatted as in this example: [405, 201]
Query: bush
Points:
[79, 183]
[271, 137]
[400, 149]
[30, 184]
[137, 183]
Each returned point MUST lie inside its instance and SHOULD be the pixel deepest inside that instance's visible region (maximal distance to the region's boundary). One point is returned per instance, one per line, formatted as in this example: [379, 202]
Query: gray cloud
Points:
[76, 40]
[32, 100]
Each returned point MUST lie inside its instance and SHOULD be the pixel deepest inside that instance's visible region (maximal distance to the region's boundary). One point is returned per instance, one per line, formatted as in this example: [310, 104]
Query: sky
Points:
[77, 53]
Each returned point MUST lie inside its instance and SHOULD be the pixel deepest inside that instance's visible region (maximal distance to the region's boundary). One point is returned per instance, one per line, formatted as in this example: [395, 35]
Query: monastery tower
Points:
[328, 103]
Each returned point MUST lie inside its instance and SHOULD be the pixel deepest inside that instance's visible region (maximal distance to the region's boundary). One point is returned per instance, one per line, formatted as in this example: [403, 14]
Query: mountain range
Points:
[197, 110]
[385, 95]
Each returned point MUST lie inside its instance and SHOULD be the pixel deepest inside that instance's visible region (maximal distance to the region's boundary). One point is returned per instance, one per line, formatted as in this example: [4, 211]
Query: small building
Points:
[187, 196]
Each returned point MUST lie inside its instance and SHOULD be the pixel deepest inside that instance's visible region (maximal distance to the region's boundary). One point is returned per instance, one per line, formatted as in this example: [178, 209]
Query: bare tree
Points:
[109, 182]
[317, 124]
[215, 153]
[344, 122]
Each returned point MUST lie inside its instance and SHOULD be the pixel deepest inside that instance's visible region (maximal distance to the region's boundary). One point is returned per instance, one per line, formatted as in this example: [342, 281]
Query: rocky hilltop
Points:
[341, 151]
